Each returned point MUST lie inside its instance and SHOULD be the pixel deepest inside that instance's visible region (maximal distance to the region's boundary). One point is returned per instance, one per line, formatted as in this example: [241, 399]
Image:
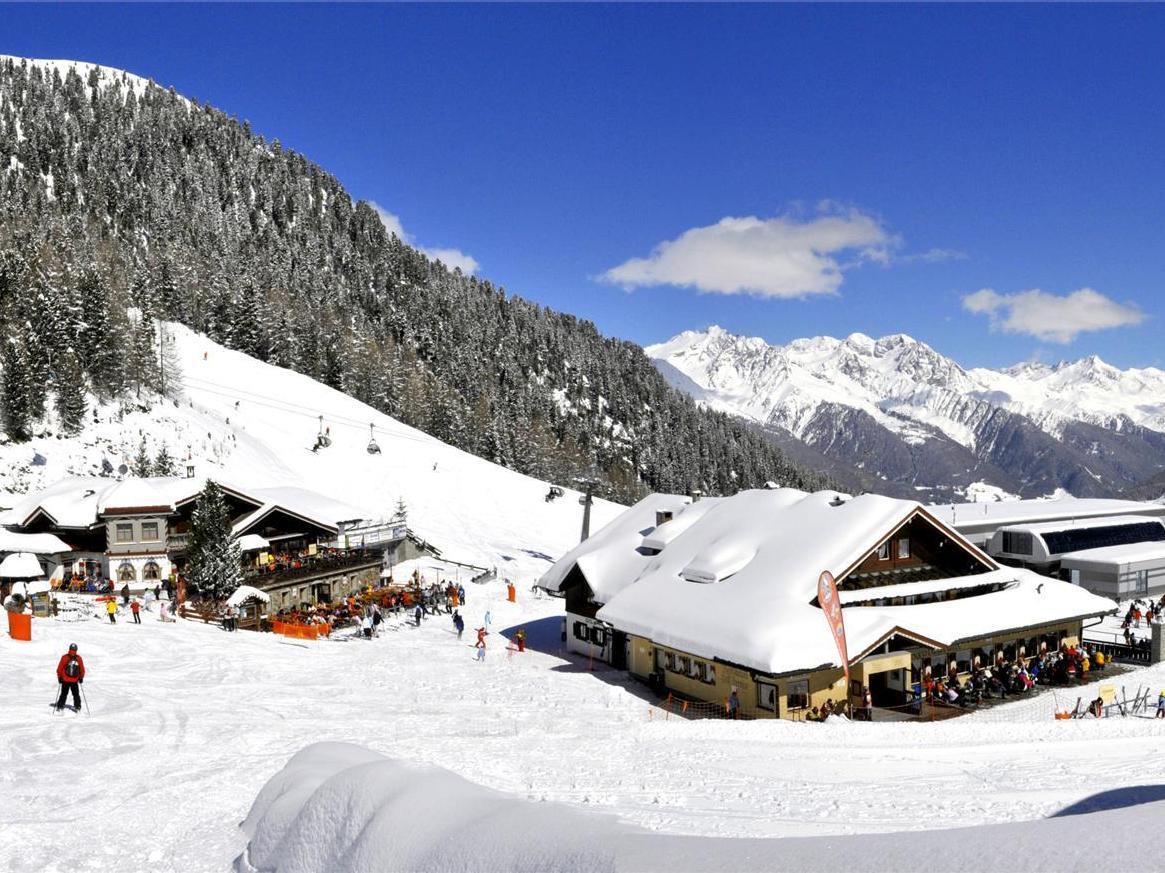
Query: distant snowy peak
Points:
[782, 386]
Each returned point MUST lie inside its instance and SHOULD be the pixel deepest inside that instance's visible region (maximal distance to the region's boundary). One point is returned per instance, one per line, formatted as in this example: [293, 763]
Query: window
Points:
[581, 631]
[683, 665]
[126, 573]
[766, 696]
[903, 548]
[697, 670]
[669, 661]
[151, 572]
[884, 551]
[1142, 582]
[123, 533]
[1074, 576]
[149, 531]
[1015, 543]
[797, 694]
[598, 636]
[662, 517]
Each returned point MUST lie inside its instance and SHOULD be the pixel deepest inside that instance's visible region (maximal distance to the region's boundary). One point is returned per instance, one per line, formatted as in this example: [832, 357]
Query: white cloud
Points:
[1051, 318]
[451, 258]
[774, 257]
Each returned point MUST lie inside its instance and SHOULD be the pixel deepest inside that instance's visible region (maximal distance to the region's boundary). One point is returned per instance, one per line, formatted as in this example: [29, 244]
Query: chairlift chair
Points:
[373, 448]
[323, 438]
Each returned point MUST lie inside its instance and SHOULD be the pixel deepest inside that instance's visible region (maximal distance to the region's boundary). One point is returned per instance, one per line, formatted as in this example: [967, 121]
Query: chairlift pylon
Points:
[373, 448]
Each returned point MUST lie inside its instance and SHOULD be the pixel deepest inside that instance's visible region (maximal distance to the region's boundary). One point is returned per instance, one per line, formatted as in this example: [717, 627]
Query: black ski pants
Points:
[65, 688]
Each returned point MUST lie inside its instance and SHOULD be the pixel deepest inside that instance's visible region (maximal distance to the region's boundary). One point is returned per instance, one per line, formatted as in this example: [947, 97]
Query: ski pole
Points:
[85, 698]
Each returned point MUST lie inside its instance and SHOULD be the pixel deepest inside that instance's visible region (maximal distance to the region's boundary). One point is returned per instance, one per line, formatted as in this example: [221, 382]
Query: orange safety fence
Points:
[301, 631]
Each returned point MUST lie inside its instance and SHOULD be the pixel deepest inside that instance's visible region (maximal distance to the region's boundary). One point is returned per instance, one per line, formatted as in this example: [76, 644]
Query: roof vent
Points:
[837, 500]
[696, 495]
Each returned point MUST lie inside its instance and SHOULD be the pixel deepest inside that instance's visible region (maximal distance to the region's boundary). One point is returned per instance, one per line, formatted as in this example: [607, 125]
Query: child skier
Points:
[111, 610]
[136, 608]
[70, 674]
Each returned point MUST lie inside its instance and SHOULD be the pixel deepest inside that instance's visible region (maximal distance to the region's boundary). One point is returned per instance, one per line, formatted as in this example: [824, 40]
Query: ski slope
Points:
[253, 424]
[189, 723]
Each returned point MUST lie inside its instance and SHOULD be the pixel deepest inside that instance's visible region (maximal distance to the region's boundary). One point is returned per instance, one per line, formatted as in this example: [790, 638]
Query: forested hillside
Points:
[122, 203]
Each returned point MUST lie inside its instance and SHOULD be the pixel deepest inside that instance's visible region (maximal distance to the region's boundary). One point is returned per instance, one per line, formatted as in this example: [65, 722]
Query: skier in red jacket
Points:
[70, 673]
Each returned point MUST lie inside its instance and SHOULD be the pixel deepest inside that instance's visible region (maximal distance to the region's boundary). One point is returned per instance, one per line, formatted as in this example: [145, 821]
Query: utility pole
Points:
[587, 486]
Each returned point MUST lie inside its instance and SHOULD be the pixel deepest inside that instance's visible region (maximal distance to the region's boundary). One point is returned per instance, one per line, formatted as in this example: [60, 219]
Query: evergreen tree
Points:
[163, 463]
[213, 557]
[14, 394]
[141, 461]
[70, 393]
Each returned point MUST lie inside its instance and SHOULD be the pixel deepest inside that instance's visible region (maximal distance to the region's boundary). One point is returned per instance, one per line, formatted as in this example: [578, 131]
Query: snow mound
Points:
[340, 807]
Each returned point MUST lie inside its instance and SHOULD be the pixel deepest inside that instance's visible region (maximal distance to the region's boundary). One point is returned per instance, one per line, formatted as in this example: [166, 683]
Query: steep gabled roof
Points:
[739, 584]
[611, 558]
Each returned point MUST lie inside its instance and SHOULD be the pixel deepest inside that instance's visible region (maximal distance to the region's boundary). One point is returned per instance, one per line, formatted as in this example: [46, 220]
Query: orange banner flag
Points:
[831, 606]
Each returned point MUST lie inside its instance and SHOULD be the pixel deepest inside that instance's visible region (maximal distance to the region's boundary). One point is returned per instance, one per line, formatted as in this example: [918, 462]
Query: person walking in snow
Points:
[481, 649]
[367, 625]
[111, 610]
[459, 623]
[136, 609]
[1160, 705]
[125, 594]
[70, 674]
[417, 613]
[733, 704]
[461, 594]
[520, 639]
[488, 620]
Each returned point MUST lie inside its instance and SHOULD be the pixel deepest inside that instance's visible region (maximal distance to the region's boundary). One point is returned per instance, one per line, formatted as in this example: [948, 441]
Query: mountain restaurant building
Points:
[701, 598]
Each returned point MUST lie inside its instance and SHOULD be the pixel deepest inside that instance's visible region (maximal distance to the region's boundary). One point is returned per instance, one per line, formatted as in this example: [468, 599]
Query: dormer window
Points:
[884, 551]
[903, 548]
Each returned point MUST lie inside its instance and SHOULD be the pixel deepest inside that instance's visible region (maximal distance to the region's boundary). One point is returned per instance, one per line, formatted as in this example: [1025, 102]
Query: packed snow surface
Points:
[188, 723]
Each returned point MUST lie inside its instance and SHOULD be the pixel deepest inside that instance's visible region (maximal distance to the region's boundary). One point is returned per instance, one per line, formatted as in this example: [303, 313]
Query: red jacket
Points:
[135, 607]
[61, 668]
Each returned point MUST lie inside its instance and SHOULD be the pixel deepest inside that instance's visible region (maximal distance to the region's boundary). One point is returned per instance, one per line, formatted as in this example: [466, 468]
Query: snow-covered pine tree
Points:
[141, 461]
[214, 560]
[70, 392]
[163, 463]
[14, 411]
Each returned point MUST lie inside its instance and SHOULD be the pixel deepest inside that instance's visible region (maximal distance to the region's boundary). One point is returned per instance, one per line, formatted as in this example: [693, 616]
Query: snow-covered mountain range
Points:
[910, 419]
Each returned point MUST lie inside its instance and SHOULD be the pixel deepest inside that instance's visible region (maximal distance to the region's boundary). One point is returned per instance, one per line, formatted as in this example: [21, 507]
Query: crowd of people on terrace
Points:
[373, 603]
[1005, 678]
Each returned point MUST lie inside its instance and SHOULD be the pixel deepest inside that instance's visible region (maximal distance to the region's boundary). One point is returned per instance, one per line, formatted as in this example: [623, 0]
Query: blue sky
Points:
[884, 165]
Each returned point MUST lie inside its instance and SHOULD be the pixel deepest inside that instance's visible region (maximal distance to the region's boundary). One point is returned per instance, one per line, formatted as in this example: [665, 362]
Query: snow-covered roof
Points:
[1130, 553]
[1080, 523]
[244, 593]
[79, 502]
[20, 565]
[252, 543]
[766, 549]
[37, 543]
[976, 515]
[611, 557]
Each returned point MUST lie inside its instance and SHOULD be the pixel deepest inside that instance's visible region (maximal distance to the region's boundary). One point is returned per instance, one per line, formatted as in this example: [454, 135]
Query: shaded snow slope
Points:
[253, 424]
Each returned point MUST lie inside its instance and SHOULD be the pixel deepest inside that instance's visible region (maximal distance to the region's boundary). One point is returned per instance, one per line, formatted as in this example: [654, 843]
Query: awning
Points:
[244, 593]
[20, 565]
[253, 543]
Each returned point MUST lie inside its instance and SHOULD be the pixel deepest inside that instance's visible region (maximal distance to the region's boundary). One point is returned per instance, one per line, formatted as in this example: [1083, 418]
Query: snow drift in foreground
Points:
[341, 807]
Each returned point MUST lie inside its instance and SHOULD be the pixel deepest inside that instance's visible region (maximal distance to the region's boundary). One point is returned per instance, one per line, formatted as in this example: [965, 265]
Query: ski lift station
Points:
[704, 596]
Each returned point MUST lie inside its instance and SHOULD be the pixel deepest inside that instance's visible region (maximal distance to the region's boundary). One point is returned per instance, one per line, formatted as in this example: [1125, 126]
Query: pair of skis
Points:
[58, 710]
